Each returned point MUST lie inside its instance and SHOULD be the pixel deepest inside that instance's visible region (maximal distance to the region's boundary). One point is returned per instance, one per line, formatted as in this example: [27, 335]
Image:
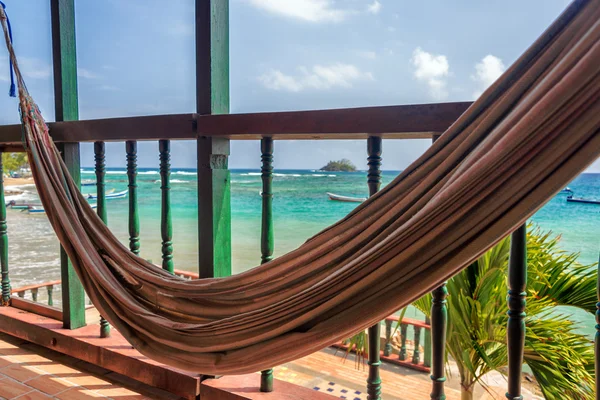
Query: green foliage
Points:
[343, 165]
[561, 360]
[12, 162]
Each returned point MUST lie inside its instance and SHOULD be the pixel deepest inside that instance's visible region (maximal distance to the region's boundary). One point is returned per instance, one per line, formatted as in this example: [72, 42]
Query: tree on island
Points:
[343, 165]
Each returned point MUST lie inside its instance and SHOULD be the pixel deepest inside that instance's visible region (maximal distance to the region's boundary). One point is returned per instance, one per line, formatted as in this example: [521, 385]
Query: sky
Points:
[136, 57]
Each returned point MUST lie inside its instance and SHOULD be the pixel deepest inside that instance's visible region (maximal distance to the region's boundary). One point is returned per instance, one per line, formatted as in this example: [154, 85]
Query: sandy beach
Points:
[17, 181]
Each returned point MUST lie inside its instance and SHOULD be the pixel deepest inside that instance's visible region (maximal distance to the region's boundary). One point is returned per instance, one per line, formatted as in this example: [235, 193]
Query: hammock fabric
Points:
[530, 134]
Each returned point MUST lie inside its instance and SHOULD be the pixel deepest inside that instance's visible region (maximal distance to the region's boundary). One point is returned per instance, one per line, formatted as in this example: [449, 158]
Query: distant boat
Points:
[40, 209]
[20, 206]
[88, 182]
[572, 199]
[347, 199]
[118, 195]
[566, 190]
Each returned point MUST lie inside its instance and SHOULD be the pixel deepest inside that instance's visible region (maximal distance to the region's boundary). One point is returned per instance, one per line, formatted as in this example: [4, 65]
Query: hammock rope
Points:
[521, 142]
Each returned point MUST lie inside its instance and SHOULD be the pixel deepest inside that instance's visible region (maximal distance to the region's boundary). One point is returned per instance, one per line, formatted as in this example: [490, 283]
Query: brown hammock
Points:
[530, 134]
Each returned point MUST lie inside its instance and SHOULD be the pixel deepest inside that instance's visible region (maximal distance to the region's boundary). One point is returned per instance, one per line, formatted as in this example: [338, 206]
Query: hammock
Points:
[530, 134]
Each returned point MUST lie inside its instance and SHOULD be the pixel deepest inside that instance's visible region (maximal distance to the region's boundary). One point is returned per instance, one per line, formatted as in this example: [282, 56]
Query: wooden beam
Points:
[212, 97]
[66, 109]
[390, 122]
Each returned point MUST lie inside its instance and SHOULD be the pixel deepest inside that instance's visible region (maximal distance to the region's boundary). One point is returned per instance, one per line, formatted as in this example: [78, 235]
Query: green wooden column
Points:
[5, 299]
[212, 97]
[427, 344]
[403, 333]
[134, 216]
[64, 60]
[266, 234]
[597, 338]
[100, 168]
[517, 280]
[439, 327]
[166, 226]
[374, 361]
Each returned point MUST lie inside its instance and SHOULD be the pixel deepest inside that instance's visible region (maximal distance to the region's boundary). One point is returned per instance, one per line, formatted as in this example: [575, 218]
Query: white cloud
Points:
[370, 55]
[86, 73]
[34, 68]
[374, 8]
[109, 88]
[180, 28]
[391, 29]
[433, 70]
[307, 10]
[486, 72]
[318, 77]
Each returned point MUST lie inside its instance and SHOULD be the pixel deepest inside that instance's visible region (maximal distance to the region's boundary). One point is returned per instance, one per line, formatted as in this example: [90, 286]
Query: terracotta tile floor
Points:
[30, 372]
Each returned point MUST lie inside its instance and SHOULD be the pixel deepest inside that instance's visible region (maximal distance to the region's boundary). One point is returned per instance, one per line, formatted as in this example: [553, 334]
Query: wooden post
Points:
[212, 97]
[66, 109]
[417, 353]
[134, 217]
[427, 344]
[5, 299]
[266, 234]
[403, 332]
[517, 281]
[439, 327]
[100, 169]
[597, 338]
[374, 332]
[50, 299]
[387, 350]
[34, 294]
[166, 226]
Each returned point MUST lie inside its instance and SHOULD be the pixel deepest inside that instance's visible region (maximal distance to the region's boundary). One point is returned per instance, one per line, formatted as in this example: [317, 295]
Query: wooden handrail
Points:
[396, 122]
[35, 286]
[409, 321]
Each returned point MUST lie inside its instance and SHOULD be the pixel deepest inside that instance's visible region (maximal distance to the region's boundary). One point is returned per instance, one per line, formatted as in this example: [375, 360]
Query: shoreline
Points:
[9, 183]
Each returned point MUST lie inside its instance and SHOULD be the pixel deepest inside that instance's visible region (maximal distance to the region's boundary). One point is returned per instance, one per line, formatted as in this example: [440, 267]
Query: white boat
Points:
[566, 190]
[347, 199]
[118, 195]
[40, 209]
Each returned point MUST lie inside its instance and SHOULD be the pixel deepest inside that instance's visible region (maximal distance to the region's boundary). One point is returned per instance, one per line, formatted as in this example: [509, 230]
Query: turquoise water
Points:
[301, 209]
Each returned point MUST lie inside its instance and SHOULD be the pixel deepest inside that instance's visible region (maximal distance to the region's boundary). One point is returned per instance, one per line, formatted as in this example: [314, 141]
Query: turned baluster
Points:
[266, 237]
[374, 332]
[34, 294]
[134, 217]
[417, 353]
[166, 226]
[50, 289]
[515, 333]
[99, 157]
[5, 282]
[403, 332]
[387, 350]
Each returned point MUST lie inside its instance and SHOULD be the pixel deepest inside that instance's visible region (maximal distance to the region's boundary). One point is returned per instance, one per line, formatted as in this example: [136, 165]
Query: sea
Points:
[301, 208]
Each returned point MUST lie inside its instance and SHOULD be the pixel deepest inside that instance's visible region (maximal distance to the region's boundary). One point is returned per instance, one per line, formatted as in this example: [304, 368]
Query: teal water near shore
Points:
[301, 209]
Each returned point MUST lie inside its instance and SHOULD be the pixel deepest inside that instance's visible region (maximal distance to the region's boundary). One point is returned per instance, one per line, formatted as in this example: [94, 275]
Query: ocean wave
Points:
[331, 176]
[251, 174]
[242, 181]
[179, 181]
[148, 173]
[184, 173]
[318, 175]
[119, 172]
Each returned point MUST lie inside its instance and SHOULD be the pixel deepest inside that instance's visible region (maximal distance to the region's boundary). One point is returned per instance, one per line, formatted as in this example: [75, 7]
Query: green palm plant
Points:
[561, 360]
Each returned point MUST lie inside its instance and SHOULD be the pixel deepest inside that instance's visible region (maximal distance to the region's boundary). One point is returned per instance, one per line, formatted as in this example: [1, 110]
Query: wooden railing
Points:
[212, 128]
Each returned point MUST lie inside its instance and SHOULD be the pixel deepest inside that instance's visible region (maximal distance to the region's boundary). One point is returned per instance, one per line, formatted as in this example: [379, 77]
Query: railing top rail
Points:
[398, 122]
[35, 286]
[409, 321]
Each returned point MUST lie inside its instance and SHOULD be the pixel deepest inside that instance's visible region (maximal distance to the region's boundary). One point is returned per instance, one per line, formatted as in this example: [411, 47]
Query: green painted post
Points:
[403, 332]
[387, 349]
[374, 332]
[134, 217]
[515, 332]
[50, 299]
[212, 97]
[166, 225]
[266, 234]
[5, 299]
[34, 294]
[66, 109]
[439, 326]
[99, 158]
[427, 345]
[597, 338]
[417, 353]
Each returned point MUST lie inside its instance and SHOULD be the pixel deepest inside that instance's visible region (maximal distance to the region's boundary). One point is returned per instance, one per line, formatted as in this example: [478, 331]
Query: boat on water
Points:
[347, 199]
[88, 182]
[566, 190]
[20, 206]
[572, 199]
[40, 209]
[110, 195]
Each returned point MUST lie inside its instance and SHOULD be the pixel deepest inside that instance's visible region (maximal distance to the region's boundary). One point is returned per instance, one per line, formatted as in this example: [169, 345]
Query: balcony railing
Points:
[213, 129]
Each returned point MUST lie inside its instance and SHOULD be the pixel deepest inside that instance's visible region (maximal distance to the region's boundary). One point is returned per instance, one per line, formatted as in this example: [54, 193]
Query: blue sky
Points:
[136, 57]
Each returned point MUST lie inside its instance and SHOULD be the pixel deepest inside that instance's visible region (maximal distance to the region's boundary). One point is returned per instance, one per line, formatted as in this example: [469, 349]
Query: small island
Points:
[343, 165]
